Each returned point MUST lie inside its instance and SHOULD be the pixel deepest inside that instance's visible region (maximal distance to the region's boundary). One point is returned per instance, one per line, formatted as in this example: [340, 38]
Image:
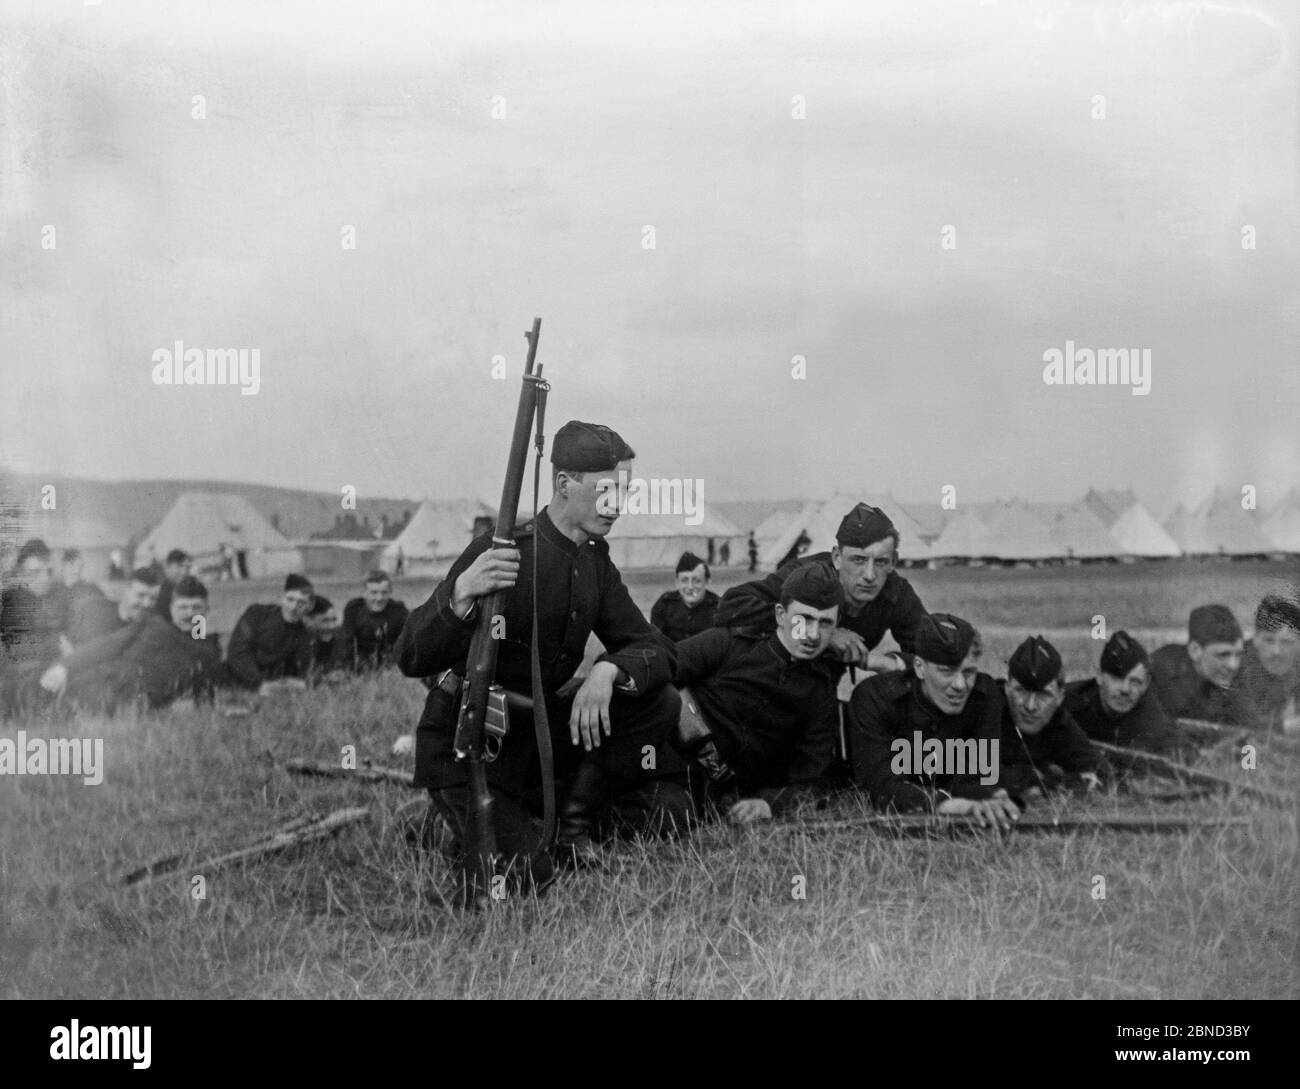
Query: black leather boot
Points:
[575, 845]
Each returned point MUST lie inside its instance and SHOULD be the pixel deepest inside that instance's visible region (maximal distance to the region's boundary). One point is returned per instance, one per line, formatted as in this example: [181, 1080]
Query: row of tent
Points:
[1102, 525]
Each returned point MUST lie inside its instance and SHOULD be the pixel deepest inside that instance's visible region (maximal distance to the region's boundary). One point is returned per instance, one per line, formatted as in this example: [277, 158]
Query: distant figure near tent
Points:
[724, 553]
[399, 563]
[178, 567]
[753, 553]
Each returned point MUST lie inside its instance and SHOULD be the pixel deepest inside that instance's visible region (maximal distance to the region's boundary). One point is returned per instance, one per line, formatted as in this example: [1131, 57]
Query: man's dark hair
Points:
[320, 605]
[35, 547]
[146, 576]
[377, 576]
[178, 555]
[71, 555]
[689, 562]
[189, 586]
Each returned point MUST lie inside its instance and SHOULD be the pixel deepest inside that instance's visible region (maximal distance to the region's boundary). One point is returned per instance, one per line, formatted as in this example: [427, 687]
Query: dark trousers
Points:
[643, 777]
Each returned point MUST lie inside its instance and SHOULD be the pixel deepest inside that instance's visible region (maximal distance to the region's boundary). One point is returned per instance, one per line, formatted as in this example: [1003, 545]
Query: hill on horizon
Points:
[133, 507]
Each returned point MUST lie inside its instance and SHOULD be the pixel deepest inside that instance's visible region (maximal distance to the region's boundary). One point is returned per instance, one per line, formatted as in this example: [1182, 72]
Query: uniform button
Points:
[573, 615]
[575, 572]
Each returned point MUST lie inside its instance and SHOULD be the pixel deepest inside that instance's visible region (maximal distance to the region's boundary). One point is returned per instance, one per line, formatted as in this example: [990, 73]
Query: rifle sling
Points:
[541, 722]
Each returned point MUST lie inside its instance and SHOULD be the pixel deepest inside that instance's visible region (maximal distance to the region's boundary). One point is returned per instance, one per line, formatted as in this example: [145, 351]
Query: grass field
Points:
[1205, 914]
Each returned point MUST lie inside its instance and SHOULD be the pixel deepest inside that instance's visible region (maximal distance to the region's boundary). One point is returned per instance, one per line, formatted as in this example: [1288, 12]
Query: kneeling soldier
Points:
[1042, 745]
[611, 732]
[944, 699]
[767, 713]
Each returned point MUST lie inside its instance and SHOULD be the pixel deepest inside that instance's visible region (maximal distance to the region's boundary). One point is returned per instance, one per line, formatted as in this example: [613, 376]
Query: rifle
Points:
[366, 773]
[473, 740]
[1152, 762]
[300, 830]
[1210, 733]
[925, 824]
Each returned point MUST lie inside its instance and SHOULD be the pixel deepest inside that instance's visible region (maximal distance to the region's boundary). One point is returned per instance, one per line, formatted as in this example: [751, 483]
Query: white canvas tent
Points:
[1137, 533]
[1219, 527]
[438, 532]
[1018, 534]
[964, 537]
[201, 522]
[642, 540]
[1080, 534]
[1282, 527]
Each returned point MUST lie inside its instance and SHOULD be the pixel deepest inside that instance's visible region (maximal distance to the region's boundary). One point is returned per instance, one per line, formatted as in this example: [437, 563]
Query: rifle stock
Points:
[481, 664]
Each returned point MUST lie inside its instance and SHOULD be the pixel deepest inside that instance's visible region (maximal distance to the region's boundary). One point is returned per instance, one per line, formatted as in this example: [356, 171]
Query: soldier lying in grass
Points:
[152, 660]
[928, 740]
[1043, 747]
[759, 712]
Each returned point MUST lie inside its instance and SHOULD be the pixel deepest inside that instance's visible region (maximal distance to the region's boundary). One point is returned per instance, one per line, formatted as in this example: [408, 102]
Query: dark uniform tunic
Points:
[365, 640]
[1184, 693]
[68, 600]
[93, 618]
[1058, 755]
[30, 626]
[264, 647]
[671, 615]
[1265, 694]
[163, 606]
[774, 718]
[896, 609]
[579, 592]
[889, 706]
[148, 659]
[1146, 727]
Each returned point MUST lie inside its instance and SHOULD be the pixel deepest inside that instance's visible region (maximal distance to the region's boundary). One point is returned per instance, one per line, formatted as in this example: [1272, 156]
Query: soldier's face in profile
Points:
[185, 609]
[377, 595]
[1119, 695]
[1279, 651]
[1032, 709]
[691, 585]
[72, 572]
[294, 606]
[37, 575]
[1218, 663]
[593, 503]
[948, 687]
[176, 571]
[863, 570]
[805, 630]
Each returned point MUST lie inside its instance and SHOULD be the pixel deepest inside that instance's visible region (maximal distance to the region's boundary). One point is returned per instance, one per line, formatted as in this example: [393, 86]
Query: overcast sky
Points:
[774, 236]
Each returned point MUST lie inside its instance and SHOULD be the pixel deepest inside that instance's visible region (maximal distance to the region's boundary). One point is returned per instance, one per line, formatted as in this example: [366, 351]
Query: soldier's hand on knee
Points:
[493, 570]
[590, 713]
[749, 810]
